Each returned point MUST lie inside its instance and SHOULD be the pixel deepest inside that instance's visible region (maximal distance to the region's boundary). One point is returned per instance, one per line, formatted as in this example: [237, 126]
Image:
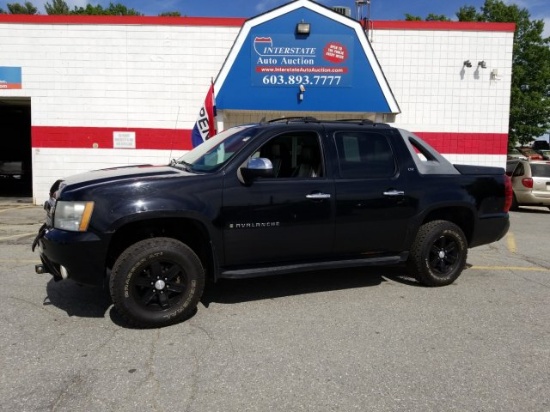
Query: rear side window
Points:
[540, 170]
[519, 171]
[364, 155]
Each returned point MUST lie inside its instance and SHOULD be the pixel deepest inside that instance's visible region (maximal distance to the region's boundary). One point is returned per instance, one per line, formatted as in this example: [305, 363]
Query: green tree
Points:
[120, 9]
[117, 9]
[468, 13]
[170, 14]
[57, 7]
[437, 17]
[429, 17]
[26, 8]
[530, 99]
[411, 17]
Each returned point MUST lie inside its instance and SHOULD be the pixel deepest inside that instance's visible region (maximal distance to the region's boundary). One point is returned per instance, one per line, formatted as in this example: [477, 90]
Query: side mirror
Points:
[257, 167]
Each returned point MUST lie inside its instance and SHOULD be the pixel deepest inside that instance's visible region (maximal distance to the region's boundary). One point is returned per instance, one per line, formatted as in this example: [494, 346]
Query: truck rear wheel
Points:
[438, 254]
[157, 282]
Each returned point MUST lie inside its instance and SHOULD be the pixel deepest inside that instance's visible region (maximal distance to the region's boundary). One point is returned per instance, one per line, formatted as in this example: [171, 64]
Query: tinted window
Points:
[296, 155]
[364, 155]
[519, 170]
[540, 170]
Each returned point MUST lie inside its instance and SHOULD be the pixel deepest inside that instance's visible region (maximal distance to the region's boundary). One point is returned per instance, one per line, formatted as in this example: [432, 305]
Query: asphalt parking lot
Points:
[365, 340]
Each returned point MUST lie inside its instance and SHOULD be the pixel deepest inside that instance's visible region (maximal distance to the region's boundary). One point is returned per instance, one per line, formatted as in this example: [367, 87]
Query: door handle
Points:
[318, 196]
[394, 193]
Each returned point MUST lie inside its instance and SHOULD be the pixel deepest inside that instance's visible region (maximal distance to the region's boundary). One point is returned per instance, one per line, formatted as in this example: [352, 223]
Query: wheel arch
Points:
[461, 216]
[191, 232]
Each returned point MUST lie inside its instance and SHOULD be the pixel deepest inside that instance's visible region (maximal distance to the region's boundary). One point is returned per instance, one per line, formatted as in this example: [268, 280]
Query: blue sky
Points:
[380, 9]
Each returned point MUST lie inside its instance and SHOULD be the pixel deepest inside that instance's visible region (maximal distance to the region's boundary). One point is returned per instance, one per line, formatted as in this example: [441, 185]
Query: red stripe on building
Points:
[102, 137]
[467, 143]
[169, 139]
[442, 26]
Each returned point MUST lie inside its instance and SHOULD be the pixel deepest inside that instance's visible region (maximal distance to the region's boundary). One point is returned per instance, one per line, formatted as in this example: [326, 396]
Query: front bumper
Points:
[79, 256]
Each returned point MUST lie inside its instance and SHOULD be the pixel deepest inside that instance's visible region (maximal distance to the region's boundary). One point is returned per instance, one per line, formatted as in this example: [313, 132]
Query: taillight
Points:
[508, 193]
[527, 182]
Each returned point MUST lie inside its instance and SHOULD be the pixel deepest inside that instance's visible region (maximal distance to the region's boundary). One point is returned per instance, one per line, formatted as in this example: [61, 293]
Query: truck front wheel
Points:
[438, 254]
[157, 282]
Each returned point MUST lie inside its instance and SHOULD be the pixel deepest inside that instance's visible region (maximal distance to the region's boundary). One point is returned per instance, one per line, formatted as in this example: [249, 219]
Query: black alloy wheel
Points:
[438, 254]
[157, 282]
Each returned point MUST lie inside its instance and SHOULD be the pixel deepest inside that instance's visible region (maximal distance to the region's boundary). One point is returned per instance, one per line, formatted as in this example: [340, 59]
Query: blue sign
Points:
[284, 60]
[10, 78]
[271, 67]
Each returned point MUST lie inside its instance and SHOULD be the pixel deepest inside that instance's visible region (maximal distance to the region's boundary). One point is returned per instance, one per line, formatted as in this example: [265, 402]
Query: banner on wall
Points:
[10, 78]
[205, 126]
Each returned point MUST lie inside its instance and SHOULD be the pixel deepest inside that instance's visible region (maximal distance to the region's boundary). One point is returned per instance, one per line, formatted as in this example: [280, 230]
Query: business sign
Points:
[317, 61]
[10, 78]
[124, 140]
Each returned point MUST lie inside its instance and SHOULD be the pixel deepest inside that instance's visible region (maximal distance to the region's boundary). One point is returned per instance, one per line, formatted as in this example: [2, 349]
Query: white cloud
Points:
[546, 32]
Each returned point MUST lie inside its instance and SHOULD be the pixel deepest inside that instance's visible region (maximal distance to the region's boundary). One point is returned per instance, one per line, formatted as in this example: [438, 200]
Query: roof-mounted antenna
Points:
[363, 16]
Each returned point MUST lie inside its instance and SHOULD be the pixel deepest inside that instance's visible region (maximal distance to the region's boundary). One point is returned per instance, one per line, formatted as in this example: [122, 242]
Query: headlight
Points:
[73, 216]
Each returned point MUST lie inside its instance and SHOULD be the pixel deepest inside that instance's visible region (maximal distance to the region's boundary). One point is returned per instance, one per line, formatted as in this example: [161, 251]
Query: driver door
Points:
[287, 217]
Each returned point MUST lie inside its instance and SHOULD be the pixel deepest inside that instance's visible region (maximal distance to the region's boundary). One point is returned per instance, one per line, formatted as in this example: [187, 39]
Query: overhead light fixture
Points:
[467, 63]
[482, 64]
[301, 93]
[303, 28]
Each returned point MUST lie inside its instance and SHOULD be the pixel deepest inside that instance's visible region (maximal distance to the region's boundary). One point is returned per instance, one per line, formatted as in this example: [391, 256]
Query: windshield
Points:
[215, 152]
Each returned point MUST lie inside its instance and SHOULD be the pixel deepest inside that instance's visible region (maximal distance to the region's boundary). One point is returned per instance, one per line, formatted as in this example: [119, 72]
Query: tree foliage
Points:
[57, 7]
[25, 8]
[114, 9]
[530, 99]
[429, 17]
[117, 9]
[170, 14]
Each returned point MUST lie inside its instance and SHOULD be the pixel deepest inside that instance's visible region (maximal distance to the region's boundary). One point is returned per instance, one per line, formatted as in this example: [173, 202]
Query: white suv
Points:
[530, 182]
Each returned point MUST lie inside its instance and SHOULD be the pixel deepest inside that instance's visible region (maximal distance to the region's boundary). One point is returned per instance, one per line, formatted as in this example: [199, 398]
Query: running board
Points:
[307, 267]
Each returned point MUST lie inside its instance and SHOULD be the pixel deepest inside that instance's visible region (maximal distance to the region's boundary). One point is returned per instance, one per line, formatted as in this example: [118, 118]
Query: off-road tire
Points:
[157, 282]
[438, 254]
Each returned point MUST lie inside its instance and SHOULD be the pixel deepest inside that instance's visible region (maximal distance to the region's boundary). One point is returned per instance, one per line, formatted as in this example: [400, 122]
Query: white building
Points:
[86, 92]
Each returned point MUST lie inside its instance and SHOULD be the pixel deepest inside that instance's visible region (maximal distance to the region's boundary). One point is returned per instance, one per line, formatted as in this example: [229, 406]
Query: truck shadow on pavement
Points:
[95, 302]
[243, 290]
[77, 300]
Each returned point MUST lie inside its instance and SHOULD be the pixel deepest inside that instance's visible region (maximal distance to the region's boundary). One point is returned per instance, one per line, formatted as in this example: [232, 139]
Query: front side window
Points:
[294, 155]
[364, 155]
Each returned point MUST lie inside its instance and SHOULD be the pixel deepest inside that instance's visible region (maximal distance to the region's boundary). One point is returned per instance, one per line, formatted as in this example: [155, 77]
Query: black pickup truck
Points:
[290, 195]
